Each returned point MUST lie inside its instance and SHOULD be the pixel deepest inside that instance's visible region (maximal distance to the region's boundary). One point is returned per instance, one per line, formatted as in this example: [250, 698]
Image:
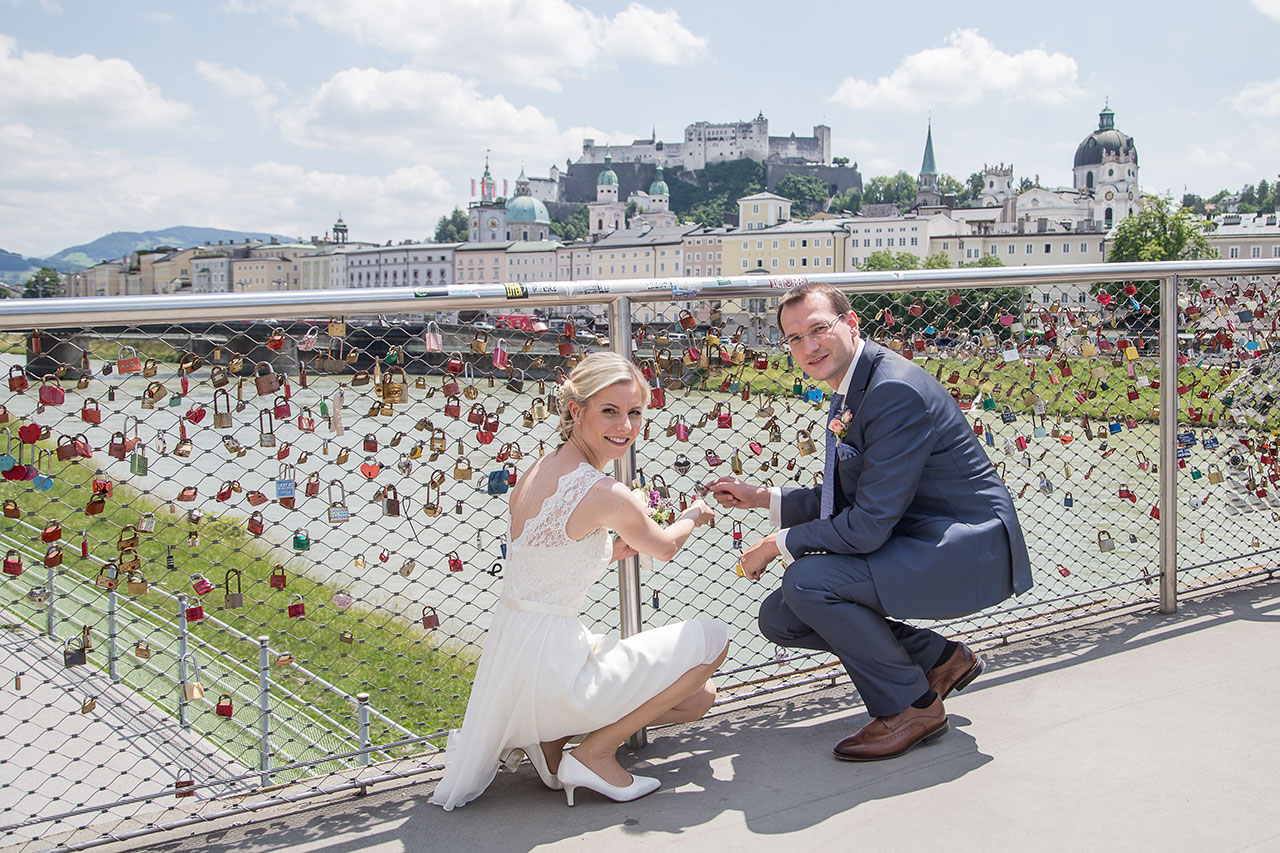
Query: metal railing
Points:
[184, 451]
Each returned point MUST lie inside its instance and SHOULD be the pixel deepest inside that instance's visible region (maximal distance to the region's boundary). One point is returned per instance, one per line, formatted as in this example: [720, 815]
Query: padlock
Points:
[192, 688]
[195, 611]
[1105, 542]
[455, 562]
[430, 620]
[804, 442]
[142, 650]
[108, 576]
[224, 707]
[278, 578]
[338, 512]
[296, 608]
[13, 564]
[391, 502]
[256, 525]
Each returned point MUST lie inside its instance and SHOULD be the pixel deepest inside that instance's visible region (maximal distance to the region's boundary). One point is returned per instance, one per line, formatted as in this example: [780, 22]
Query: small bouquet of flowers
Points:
[662, 510]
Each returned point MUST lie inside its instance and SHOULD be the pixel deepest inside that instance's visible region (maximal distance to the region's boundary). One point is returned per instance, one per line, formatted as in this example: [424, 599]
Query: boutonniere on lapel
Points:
[840, 423]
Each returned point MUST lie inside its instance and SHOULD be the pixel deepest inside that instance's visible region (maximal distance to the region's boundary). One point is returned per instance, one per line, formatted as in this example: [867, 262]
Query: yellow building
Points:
[789, 249]
[640, 253]
[532, 260]
[762, 210]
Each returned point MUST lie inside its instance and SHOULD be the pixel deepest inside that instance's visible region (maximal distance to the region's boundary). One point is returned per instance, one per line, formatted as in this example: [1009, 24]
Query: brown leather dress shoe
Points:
[889, 737]
[956, 673]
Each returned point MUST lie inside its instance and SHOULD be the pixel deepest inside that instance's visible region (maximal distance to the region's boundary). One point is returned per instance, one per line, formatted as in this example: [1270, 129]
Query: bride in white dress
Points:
[543, 677]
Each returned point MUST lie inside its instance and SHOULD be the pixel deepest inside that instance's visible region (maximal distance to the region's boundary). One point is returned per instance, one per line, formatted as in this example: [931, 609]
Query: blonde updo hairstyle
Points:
[592, 375]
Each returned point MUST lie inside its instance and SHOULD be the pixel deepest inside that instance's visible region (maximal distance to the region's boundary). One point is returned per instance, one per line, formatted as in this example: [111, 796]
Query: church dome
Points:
[659, 186]
[1105, 140]
[608, 177]
[526, 208]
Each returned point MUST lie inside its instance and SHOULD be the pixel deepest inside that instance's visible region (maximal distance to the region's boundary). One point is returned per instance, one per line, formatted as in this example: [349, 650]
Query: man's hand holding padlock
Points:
[731, 492]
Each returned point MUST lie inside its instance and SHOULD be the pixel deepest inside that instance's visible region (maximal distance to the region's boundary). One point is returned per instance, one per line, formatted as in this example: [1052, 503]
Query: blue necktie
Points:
[829, 471]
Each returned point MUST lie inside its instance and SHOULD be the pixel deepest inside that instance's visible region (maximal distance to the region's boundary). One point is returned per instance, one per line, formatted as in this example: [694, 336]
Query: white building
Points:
[406, 265]
[716, 142]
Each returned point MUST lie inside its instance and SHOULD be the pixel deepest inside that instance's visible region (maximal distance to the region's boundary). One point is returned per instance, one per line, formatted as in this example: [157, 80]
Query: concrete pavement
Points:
[1141, 732]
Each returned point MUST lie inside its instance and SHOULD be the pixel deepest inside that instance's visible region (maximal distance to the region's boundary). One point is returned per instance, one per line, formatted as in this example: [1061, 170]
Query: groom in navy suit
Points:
[911, 522]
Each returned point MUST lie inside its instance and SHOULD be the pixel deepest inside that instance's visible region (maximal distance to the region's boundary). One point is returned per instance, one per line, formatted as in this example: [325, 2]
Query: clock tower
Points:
[487, 216]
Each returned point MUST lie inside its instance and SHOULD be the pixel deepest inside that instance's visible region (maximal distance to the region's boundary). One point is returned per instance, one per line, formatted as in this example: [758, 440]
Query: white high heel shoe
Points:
[539, 761]
[574, 774]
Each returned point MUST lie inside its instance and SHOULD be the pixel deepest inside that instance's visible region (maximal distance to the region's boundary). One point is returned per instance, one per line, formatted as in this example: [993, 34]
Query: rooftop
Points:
[1140, 732]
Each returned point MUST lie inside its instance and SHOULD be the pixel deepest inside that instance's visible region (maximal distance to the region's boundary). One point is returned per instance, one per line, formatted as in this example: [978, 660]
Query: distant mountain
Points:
[10, 262]
[121, 243]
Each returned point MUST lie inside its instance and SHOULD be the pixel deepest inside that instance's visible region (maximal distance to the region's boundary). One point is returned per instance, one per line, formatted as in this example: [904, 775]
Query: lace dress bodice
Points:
[546, 567]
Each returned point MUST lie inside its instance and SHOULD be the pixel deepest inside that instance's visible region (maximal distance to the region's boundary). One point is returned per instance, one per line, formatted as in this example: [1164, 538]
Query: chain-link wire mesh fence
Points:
[248, 555]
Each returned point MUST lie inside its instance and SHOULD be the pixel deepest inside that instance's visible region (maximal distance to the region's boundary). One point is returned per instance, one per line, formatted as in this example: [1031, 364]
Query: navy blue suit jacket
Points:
[916, 496]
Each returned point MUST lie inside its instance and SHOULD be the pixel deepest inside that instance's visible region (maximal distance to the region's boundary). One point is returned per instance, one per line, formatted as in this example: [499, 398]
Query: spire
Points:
[927, 167]
[1106, 119]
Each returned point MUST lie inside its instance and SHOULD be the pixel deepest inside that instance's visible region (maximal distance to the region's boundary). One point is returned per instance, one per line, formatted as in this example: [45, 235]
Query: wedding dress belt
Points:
[540, 607]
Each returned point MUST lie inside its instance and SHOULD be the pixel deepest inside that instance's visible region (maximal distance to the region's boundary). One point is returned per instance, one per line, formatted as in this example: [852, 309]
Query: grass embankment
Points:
[1007, 382]
[410, 678]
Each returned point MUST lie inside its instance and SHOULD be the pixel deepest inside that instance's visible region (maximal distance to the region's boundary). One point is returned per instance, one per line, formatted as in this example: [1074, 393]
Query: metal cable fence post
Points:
[182, 661]
[1168, 444]
[264, 709]
[50, 610]
[362, 712]
[624, 471]
[112, 653]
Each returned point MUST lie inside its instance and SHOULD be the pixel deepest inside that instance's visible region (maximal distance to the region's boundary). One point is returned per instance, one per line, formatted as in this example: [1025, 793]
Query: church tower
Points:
[339, 230]
[487, 217]
[606, 213]
[927, 193]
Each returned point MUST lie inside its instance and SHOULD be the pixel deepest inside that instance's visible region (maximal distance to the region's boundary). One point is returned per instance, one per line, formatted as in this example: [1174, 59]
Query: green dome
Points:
[659, 186]
[526, 208]
[608, 177]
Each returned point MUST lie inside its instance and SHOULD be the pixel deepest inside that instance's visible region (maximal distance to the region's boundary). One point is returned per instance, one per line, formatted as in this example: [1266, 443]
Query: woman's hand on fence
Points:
[699, 513]
[621, 550]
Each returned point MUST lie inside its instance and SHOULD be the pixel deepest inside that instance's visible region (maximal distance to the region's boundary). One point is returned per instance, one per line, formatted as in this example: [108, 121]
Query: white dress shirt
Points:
[775, 494]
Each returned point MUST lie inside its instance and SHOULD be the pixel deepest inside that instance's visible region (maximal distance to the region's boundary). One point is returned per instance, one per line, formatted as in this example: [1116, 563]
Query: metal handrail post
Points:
[112, 670]
[1168, 444]
[624, 471]
[362, 714]
[264, 709]
[182, 661]
[51, 609]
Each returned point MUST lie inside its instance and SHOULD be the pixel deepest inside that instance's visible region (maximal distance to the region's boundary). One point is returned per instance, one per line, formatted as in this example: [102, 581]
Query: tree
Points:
[452, 228]
[1193, 202]
[847, 202]
[808, 192]
[985, 261]
[885, 260]
[899, 190]
[43, 283]
[840, 161]
[575, 227]
[1025, 184]
[937, 261]
[973, 187]
[1157, 232]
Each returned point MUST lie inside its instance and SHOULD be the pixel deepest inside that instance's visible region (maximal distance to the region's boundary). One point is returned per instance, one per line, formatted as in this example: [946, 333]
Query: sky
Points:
[277, 115]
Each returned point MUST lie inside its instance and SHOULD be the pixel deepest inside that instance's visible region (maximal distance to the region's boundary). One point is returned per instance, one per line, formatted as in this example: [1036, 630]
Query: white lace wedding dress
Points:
[543, 675]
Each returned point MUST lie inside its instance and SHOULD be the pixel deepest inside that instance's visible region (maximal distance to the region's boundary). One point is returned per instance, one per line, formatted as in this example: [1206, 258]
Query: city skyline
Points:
[275, 114]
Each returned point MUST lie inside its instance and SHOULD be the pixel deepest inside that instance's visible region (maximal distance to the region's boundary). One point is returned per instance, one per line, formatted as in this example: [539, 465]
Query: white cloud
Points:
[1270, 8]
[58, 194]
[413, 110]
[1201, 157]
[1258, 98]
[81, 90]
[962, 73]
[532, 42]
[238, 84]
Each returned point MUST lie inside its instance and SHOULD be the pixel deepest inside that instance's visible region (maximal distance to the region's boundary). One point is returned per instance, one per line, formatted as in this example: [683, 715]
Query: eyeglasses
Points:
[818, 331]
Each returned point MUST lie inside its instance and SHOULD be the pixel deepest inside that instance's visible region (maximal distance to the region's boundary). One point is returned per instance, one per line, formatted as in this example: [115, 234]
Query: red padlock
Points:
[224, 708]
[201, 584]
[430, 620]
[455, 562]
[724, 420]
[195, 612]
[281, 408]
[184, 781]
[52, 395]
[453, 365]
[256, 524]
[13, 563]
[657, 398]
[17, 379]
[296, 608]
[278, 578]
